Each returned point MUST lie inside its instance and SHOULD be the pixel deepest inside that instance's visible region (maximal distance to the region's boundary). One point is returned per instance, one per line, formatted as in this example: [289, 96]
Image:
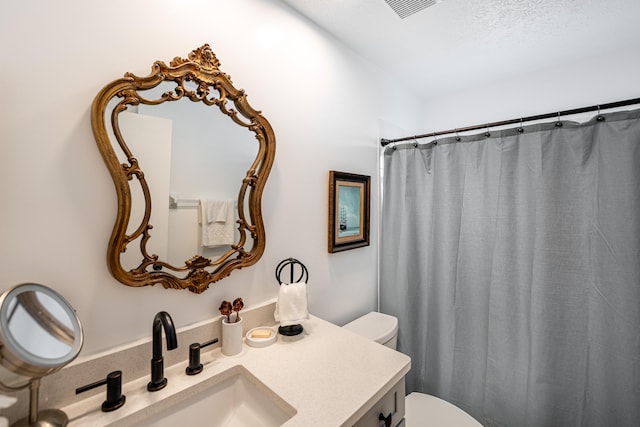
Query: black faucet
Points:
[162, 320]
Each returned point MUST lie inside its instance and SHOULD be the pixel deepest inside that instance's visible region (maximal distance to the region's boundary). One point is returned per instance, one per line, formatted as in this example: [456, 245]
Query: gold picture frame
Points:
[349, 211]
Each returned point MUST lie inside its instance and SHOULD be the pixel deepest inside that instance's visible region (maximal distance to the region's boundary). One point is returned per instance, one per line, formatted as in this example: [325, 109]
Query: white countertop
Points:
[330, 375]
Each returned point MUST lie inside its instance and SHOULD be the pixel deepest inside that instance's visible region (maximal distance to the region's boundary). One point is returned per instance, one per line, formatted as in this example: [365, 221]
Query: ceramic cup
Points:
[231, 337]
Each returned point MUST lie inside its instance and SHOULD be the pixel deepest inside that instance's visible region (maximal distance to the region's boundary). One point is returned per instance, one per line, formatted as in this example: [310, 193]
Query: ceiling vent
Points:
[405, 8]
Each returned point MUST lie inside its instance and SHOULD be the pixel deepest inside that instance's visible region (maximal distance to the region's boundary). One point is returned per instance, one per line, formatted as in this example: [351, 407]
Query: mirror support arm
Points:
[12, 389]
[34, 400]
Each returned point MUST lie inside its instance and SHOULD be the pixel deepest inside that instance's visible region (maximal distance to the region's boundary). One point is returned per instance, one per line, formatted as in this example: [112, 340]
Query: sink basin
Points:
[234, 397]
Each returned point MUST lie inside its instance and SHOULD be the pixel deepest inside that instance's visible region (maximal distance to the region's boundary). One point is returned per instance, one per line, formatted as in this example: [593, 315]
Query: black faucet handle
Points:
[195, 367]
[115, 398]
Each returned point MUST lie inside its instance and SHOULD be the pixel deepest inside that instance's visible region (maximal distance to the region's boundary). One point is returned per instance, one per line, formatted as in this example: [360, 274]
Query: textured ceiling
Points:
[463, 43]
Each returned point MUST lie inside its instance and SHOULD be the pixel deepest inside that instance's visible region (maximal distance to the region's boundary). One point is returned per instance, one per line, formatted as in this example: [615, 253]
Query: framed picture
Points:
[349, 199]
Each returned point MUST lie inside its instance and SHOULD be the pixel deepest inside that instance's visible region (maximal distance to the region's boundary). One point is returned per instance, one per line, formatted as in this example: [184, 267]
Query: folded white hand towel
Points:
[217, 219]
[217, 211]
[291, 306]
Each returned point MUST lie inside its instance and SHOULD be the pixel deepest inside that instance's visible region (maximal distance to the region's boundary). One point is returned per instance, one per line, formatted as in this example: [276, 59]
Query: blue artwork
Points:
[348, 210]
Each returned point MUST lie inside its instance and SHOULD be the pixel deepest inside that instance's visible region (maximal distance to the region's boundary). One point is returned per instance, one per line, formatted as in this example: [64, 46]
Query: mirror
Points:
[39, 331]
[189, 158]
[39, 334]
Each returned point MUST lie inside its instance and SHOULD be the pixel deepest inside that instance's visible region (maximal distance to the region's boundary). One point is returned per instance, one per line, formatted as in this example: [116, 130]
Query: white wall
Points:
[591, 81]
[58, 202]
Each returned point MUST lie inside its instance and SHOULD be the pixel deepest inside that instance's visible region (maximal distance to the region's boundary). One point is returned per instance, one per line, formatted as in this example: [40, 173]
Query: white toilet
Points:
[420, 409]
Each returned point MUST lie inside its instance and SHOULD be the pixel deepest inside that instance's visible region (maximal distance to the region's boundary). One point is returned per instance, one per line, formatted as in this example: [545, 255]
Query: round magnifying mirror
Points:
[39, 330]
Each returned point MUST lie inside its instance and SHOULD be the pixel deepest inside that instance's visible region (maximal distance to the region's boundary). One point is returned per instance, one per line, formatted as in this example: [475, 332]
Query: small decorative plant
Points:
[237, 306]
[226, 308]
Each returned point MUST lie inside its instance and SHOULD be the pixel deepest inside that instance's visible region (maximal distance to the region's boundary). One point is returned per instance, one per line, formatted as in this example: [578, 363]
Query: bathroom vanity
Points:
[327, 376]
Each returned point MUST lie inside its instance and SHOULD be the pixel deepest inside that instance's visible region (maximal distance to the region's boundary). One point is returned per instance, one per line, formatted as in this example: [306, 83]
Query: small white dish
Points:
[262, 336]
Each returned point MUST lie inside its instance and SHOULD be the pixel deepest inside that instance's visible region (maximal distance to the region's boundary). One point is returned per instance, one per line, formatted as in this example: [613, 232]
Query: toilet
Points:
[420, 409]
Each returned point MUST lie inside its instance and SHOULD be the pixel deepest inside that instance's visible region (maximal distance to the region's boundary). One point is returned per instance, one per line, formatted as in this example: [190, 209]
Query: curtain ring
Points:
[487, 133]
[520, 129]
[600, 117]
[415, 142]
[435, 141]
[393, 147]
[558, 122]
[457, 136]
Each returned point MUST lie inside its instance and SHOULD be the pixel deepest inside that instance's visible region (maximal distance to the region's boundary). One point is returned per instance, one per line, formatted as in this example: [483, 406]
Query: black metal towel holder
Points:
[292, 263]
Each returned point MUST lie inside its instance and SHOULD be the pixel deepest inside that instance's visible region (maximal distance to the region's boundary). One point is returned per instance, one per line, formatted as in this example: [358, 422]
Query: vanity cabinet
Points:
[392, 403]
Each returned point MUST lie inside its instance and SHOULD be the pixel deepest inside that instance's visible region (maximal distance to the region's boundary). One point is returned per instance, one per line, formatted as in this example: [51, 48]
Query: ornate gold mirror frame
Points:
[198, 79]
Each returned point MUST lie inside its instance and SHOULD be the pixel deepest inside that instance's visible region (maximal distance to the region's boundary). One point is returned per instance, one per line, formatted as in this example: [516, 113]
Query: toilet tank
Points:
[379, 327]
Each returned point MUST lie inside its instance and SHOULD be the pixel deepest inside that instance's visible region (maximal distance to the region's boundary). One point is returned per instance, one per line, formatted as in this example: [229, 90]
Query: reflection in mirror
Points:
[207, 155]
[39, 330]
[39, 334]
[189, 158]
[40, 325]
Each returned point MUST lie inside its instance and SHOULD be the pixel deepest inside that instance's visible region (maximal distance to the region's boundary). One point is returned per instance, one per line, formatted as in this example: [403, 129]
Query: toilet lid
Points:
[378, 327]
[424, 409]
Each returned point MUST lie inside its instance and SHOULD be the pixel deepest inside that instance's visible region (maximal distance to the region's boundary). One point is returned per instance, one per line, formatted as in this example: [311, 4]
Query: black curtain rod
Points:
[385, 142]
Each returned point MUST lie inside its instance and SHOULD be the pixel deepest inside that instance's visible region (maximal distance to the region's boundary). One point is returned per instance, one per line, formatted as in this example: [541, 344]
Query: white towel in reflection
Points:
[5, 402]
[291, 306]
[217, 210]
[217, 221]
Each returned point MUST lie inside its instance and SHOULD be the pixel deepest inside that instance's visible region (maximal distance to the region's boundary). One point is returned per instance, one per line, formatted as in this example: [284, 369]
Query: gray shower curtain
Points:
[513, 265]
